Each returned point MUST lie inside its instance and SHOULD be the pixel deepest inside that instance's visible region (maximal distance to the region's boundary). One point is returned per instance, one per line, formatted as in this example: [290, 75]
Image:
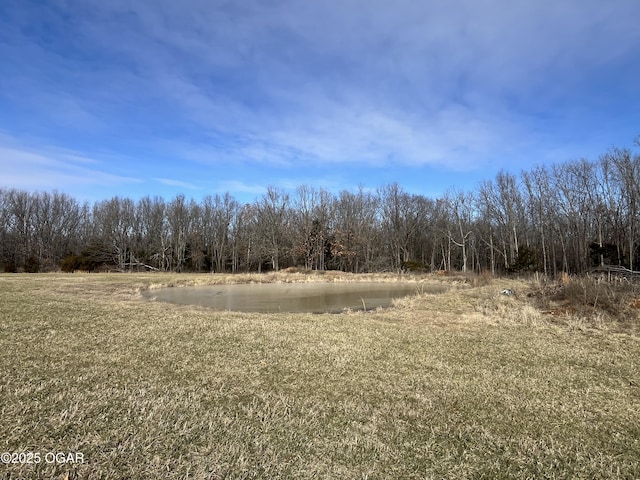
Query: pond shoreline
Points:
[291, 297]
[285, 276]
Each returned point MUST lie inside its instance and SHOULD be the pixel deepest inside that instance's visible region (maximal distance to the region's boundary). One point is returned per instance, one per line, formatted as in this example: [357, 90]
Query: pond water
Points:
[290, 297]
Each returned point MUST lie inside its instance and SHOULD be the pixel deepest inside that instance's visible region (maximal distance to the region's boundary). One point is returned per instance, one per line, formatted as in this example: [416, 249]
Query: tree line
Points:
[566, 217]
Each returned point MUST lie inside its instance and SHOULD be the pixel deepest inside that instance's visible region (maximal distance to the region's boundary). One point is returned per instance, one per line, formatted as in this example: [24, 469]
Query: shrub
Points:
[481, 279]
[526, 261]
[297, 269]
[32, 265]
[588, 298]
[413, 266]
[10, 267]
[70, 263]
[83, 262]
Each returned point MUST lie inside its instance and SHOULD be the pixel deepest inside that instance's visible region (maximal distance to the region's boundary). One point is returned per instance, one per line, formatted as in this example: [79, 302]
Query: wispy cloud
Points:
[288, 84]
[177, 183]
[241, 187]
[52, 168]
[375, 82]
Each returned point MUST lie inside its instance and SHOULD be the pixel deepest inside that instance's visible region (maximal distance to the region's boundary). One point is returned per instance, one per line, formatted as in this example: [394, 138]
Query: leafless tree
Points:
[566, 217]
[218, 213]
[460, 209]
[310, 228]
[179, 218]
[401, 215]
[273, 219]
[626, 172]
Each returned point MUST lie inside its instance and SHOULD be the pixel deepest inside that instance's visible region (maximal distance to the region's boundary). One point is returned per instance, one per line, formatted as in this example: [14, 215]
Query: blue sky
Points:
[112, 97]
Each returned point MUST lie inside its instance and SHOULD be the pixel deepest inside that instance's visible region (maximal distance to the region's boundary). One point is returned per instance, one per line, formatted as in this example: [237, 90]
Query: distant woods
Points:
[564, 218]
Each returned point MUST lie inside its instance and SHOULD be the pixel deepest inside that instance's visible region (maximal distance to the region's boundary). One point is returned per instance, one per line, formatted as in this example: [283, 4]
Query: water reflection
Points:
[290, 297]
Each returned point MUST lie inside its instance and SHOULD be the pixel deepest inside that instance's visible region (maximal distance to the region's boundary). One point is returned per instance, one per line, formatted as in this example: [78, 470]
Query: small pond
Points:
[290, 297]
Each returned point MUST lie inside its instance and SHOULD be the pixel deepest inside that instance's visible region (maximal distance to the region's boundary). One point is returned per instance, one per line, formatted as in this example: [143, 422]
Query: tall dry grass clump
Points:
[614, 299]
[590, 300]
[481, 279]
[509, 309]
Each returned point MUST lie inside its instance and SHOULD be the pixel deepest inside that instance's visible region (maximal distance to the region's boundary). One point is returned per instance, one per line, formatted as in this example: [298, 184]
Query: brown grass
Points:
[589, 302]
[465, 384]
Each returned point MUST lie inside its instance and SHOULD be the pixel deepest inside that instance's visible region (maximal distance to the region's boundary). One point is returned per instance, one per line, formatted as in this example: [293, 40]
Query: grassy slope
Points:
[463, 385]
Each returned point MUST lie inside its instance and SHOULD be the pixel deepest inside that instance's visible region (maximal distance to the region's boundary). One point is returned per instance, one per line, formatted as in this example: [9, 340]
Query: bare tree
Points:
[310, 228]
[626, 171]
[502, 205]
[179, 217]
[541, 210]
[20, 224]
[564, 217]
[244, 229]
[460, 209]
[57, 218]
[154, 231]
[355, 242]
[272, 217]
[401, 218]
[218, 213]
[113, 222]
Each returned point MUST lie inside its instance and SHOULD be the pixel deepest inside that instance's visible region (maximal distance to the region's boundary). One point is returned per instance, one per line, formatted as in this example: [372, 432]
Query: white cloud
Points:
[177, 183]
[288, 83]
[238, 186]
[46, 167]
[326, 82]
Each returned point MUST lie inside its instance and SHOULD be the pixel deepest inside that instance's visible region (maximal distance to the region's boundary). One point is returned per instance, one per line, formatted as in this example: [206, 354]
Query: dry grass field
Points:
[468, 384]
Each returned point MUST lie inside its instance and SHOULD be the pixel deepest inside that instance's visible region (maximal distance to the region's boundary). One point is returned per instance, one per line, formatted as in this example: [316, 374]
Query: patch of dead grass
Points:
[452, 385]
